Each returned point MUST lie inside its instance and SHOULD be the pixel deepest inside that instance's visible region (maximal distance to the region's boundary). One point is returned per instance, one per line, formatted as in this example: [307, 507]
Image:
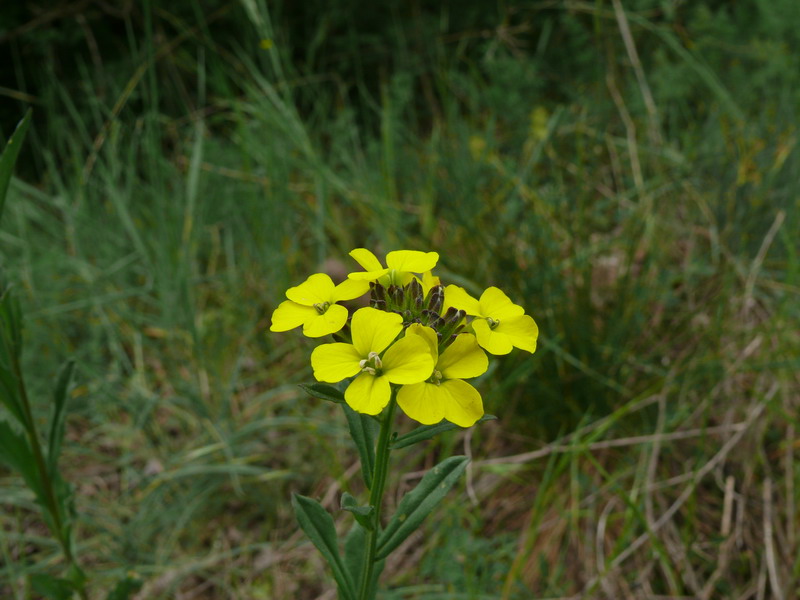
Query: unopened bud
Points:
[435, 298]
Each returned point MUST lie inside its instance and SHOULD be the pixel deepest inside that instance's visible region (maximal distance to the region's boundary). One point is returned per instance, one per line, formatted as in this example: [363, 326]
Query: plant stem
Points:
[376, 497]
[51, 501]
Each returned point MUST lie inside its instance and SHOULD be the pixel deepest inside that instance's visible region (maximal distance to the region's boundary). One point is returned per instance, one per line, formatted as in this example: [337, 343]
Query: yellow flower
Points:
[501, 325]
[312, 304]
[445, 395]
[401, 265]
[406, 361]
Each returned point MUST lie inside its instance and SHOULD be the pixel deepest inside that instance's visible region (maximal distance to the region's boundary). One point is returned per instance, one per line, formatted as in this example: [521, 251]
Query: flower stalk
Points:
[376, 496]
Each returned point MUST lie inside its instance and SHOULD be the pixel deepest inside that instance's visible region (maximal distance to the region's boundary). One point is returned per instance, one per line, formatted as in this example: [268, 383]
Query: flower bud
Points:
[435, 298]
[414, 292]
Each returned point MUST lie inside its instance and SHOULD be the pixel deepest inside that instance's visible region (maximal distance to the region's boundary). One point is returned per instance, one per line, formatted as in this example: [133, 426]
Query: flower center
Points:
[372, 364]
[322, 307]
[436, 377]
[493, 323]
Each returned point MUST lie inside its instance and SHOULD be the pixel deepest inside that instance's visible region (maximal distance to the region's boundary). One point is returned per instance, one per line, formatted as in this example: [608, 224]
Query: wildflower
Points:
[445, 395]
[406, 361]
[500, 325]
[312, 304]
[401, 266]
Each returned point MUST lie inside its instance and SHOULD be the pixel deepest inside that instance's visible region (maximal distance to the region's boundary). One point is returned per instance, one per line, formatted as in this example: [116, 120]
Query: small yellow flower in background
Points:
[500, 324]
[407, 361]
[400, 269]
[266, 44]
[312, 304]
[444, 395]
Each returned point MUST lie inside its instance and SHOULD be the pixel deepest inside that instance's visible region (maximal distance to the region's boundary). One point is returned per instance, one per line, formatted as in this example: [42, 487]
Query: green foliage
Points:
[178, 178]
[420, 502]
[318, 525]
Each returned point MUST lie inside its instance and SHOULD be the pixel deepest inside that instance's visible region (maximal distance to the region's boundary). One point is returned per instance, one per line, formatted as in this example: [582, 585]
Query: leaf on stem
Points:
[52, 588]
[318, 525]
[355, 545]
[323, 391]
[425, 432]
[58, 417]
[16, 452]
[420, 502]
[363, 430]
[363, 514]
[10, 154]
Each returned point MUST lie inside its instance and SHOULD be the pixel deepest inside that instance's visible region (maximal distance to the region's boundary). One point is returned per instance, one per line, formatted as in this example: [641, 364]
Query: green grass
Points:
[172, 196]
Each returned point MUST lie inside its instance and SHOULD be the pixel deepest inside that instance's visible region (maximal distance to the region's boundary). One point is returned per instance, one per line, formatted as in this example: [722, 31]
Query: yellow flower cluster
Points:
[417, 335]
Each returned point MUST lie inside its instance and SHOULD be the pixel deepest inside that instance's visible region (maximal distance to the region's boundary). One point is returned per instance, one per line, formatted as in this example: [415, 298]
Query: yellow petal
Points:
[495, 304]
[427, 334]
[349, 289]
[368, 275]
[460, 299]
[366, 259]
[411, 261]
[464, 405]
[521, 332]
[317, 289]
[331, 321]
[463, 359]
[408, 360]
[334, 362]
[374, 329]
[368, 394]
[490, 340]
[289, 315]
[423, 402]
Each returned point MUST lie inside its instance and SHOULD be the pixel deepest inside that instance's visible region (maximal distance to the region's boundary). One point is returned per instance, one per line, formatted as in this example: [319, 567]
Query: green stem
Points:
[376, 497]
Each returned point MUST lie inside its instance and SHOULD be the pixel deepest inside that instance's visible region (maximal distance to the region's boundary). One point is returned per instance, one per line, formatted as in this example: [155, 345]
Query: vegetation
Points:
[627, 171]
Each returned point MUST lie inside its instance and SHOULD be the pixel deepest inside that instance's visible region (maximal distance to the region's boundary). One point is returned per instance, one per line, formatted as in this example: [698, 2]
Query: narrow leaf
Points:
[125, 588]
[355, 545]
[51, 587]
[58, 417]
[363, 514]
[420, 502]
[425, 432]
[10, 342]
[363, 430]
[9, 156]
[323, 391]
[318, 525]
[16, 452]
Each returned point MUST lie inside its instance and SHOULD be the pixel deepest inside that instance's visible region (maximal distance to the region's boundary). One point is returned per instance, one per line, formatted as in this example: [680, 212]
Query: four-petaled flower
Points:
[407, 361]
[400, 269]
[312, 304]
[501, 325]
[444, 395]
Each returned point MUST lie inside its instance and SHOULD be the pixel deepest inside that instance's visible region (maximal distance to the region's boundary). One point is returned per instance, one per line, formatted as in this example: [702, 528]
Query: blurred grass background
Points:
[627, 170]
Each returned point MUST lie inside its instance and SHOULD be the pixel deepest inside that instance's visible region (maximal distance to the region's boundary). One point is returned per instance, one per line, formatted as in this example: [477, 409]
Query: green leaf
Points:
[420, 502]
[425, 432]
[363, 430]
[58, 417]
[9, 156]
[318, 526]
[10, 343]
[16, 452]
[355, 545]
[52, 588]
[323, 391]
[125, 587]
[363, 514]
